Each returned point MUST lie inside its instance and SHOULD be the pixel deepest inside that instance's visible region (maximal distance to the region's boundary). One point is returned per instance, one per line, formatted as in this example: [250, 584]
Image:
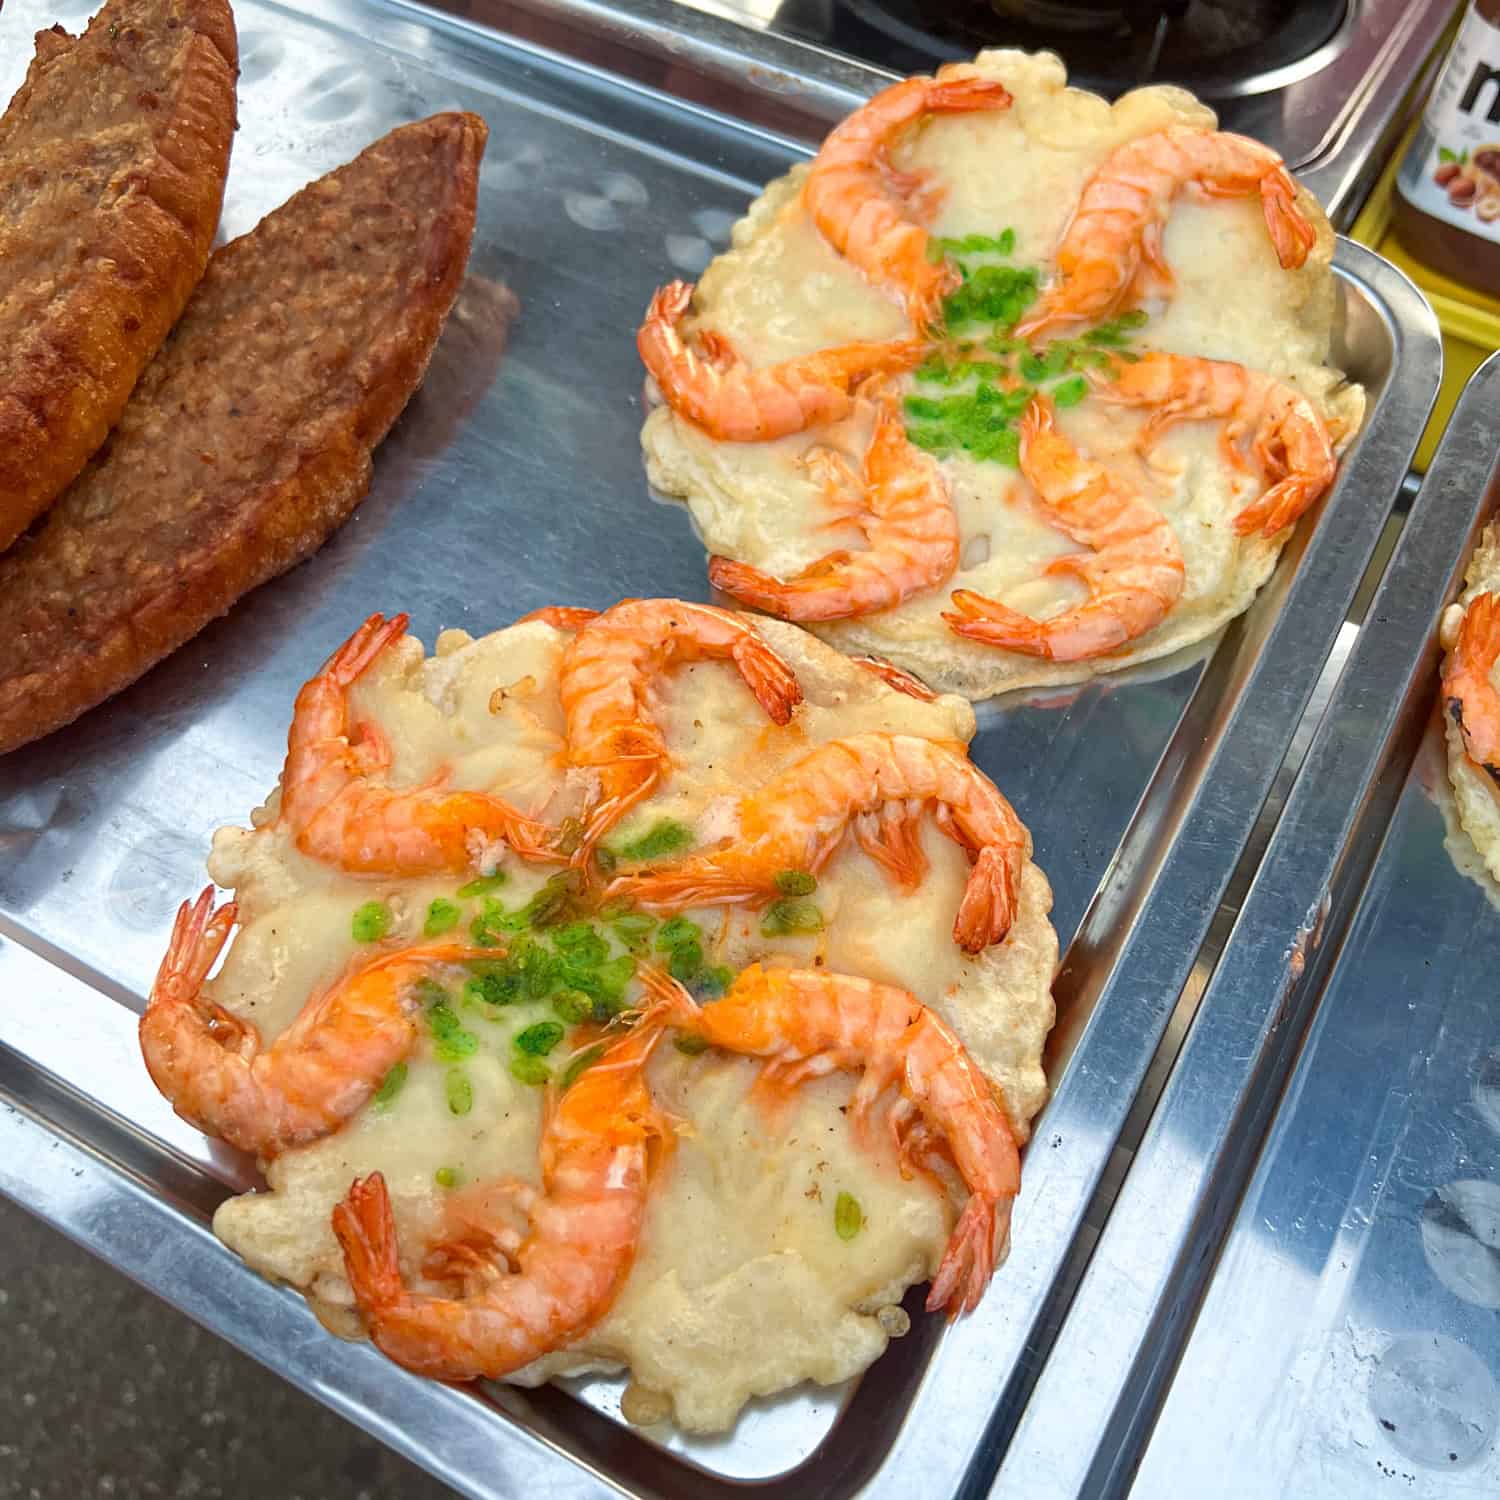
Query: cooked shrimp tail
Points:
[895, 677]
[569, 618]
[989, 902]
[1133, 575]
[366, 1230]
[737, 404]
[969, 1260]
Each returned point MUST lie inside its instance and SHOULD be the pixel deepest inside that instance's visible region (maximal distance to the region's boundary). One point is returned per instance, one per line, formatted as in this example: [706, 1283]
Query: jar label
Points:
[1452, 169]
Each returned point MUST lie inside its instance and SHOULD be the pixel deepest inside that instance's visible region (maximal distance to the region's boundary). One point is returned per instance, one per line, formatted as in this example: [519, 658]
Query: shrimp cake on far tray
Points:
[654, 991]
[1470, 702]
[1006, 428]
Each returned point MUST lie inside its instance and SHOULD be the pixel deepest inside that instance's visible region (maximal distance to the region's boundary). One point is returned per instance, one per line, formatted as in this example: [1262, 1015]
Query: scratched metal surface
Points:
[1350, 1326]
[512, 481]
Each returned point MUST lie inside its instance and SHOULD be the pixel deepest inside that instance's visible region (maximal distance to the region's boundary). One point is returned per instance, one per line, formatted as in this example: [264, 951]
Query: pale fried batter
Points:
[248, 439]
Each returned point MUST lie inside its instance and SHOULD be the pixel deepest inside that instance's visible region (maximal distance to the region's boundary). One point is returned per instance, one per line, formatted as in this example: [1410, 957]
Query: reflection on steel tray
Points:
[1372, 1219]
[513, 481]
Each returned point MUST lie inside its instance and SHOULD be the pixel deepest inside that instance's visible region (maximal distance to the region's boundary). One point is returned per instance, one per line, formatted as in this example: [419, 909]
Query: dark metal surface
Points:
[514, 480]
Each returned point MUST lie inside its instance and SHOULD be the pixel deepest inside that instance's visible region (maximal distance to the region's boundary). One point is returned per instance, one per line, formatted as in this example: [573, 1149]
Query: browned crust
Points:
[248, 440]
[113, 155]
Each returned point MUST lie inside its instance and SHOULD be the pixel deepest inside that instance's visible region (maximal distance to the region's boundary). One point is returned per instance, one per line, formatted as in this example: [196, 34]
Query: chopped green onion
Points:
[554, 902]
[452, 1041]
[499, 984]
[482, 885]
[714, 983]
[371, 922]
[631, 926]
[605, 860]
[666, 836]
[582, 943]
[540, 1039]
[688, 1044]
[685, 962]
[460, 1091]
[584, 1059]
[848, 1216]
[390, 1086]
[573, 1006]
[675, 931]
[788, 916]
[442, 916]
[447, 1177]
[527, 1069]
[1070, 392]
[795, 883]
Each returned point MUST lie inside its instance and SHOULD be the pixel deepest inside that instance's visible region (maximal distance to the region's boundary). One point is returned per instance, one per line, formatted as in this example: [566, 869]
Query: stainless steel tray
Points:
[513, 481]
[1348, 1332]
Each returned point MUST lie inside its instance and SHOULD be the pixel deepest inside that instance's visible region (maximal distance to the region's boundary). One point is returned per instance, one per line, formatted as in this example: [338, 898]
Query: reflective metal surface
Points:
[1335, 115]
[514, 480]
[1348, 1333]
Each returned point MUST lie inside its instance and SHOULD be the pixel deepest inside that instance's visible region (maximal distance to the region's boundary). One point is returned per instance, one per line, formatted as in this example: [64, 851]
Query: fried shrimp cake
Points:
[248, 440]
[113, 155]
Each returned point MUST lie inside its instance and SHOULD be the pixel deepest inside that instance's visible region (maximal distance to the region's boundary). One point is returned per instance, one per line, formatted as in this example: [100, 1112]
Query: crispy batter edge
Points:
[272, 533]
[104, 333]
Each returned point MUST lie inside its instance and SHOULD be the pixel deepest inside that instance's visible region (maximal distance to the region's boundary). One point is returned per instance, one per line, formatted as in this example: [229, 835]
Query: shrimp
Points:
[848, 190]
[909, 523]
[1291, 442]
[606, 683]
[585, 1224]
[565, 617]
[1468, 694]
[342, 814]
[220, 1077]
[737, 404]
[894, 677]
[809, 1022]
[1133, 574]
[879, 784]
[1120, 217]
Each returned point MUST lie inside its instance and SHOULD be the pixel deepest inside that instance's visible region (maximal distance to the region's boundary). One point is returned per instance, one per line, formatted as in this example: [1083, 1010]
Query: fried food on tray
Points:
[248, 439]
[113, 154]
[502, 1135]
[1471, 704]
[1006, 427]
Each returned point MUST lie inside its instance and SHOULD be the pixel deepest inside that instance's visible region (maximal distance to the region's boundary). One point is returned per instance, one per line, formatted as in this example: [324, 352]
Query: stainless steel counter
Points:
[1346, 1332]
[514, 480]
